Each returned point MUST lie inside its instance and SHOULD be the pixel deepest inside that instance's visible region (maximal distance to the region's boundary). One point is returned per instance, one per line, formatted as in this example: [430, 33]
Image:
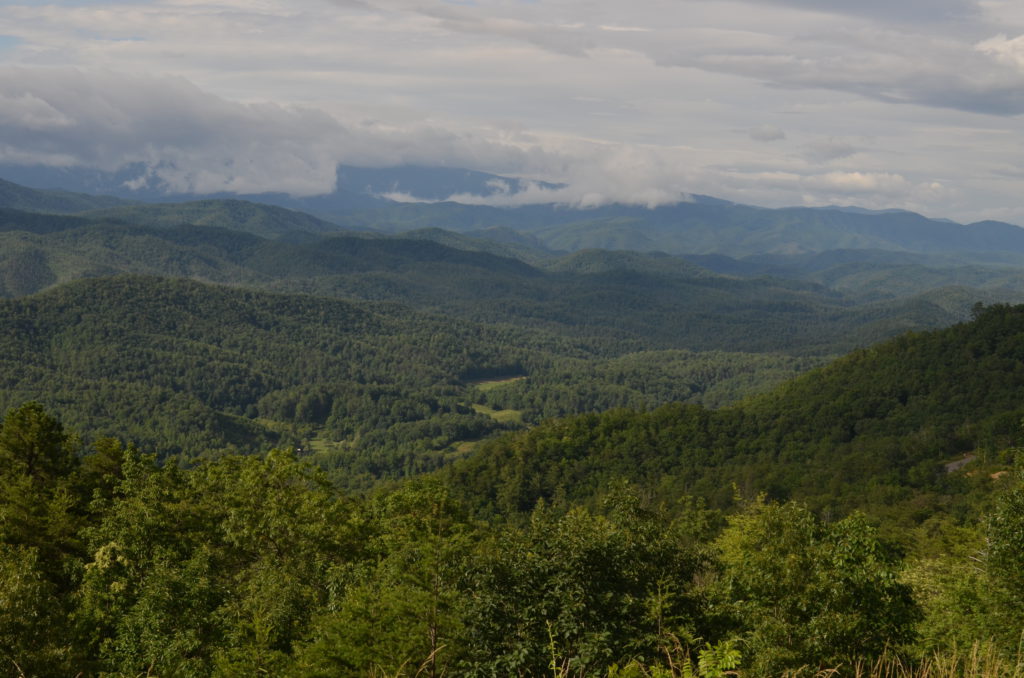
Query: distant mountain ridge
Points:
[869, 254]
[53, 201]
[703, 225]
[263, 220]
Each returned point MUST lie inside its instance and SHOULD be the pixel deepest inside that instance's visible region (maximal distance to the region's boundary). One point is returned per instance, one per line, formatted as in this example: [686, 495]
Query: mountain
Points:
[738, 230]
[608, 261]
[416, 182]
[833, 301]
[238, 215]
[183, 367]
[701, 226]
[506, 244]
[624, 301]
[879, 274]
[14, 196]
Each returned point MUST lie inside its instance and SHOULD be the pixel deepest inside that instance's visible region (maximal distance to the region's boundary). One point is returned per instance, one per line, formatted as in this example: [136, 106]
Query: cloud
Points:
[767, 133]
[1006, 50]
[893, 59]
[885, 65]
[190, 140]
[560, 38]
[640, 102]
[917, 11]
[193, 141]
[29, 112]
[825, 150]
[851, 183]
[597, 174]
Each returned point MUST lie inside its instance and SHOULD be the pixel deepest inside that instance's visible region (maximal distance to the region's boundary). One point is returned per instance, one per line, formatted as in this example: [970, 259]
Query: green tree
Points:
[40, 553]
[804, 593]
[578, 591]
[399, 611]
[211, 571]
[34, 444]
[1004, 564]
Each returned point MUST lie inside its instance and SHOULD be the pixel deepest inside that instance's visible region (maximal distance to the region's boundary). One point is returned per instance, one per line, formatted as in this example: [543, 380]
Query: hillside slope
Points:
[267, 221]
[15, 196]
[869, 430]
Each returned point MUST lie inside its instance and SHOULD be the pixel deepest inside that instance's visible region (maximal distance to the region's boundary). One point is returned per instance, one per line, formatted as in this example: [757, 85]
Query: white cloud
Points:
[848, 183]
[1005, 50]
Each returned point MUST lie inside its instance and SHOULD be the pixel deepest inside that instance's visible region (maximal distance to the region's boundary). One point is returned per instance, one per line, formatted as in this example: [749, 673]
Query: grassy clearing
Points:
[319, 445]
[502, 416]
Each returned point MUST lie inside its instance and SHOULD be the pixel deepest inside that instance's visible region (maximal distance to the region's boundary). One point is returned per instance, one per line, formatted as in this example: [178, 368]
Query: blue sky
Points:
[914, 104]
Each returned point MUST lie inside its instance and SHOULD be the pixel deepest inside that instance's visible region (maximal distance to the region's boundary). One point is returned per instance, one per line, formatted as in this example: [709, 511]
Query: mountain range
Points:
[696, 225]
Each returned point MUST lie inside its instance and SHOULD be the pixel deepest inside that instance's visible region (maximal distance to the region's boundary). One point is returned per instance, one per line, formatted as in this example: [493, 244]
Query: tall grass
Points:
[981, 661]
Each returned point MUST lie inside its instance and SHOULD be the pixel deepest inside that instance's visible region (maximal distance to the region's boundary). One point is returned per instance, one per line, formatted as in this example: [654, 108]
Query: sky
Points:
[912, 104]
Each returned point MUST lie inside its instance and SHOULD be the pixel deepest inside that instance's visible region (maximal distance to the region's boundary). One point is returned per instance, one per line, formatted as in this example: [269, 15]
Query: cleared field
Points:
[503, 416]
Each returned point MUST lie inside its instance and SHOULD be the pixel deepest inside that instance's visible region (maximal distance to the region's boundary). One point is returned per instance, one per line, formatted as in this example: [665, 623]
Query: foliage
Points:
[580, 591]
[803, 593]
[113, 564]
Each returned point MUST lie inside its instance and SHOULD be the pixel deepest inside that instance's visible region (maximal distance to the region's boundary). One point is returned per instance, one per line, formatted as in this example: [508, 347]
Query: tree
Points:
[215, 570]
[34, 444]
[803, 593]
[40, 555]
[580, 591]
[1004, 564]
[399, 610]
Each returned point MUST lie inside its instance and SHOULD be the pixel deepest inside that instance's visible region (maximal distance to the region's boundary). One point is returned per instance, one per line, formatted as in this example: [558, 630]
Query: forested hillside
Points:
[13, 196]
[186, 368]
[179, 366]
[872, 430]
[238, 215]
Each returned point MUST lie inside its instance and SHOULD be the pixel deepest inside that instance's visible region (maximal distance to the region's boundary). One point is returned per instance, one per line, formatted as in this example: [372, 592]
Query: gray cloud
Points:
[767, 133]
[897, 60]
[916, 11]
[825, 150]
[194, 141]
[191, 140]
[885, 66]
